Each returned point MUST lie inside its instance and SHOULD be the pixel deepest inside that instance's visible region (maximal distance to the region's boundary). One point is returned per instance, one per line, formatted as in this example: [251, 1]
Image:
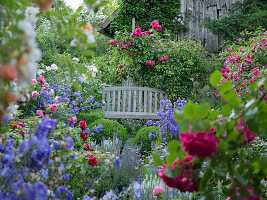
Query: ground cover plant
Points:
[55, 143]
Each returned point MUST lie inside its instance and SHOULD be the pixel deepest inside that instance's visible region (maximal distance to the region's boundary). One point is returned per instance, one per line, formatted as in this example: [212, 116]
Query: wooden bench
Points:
[131, 102]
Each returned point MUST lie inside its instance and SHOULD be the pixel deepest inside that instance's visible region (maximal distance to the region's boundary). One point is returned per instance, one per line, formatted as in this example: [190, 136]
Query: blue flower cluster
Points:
[18, 168]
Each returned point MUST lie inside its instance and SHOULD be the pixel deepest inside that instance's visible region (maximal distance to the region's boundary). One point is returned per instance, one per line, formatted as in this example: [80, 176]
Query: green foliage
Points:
[143, 140]
[186, 62]
[132, 126]
[243, 17]
[110, 129]
[145, 12]
[91, 116]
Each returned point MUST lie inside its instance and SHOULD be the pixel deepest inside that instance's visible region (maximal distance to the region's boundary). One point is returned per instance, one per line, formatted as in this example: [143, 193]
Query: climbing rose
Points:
[158, 190]
[53, 107]
[35, 94]
[9, 72]
[184, 181]
[202, 144]
[92, 160]
[83, 124]
[158, 28]
[39, 113]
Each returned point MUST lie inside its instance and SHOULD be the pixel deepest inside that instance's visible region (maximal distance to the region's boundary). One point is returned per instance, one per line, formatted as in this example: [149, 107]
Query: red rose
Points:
[87, 147]
[202, 144]
[83, 136]
[248, 135]
[83, 124]
[184, 181]
[92, 161]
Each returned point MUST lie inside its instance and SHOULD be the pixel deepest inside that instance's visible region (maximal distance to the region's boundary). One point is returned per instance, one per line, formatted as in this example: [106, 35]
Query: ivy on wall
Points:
[146, 11]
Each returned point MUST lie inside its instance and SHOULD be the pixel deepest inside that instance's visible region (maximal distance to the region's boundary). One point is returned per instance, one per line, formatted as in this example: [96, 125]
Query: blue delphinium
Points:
[117, 162]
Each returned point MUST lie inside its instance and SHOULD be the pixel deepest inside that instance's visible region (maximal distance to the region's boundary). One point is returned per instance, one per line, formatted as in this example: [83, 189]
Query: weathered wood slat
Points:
[134, 101]
[130, 115]
[156, 102]
[108, 100]
[124, 100]
[129, 100]
[103, 99]
[145, 100]
[150, 102]
[113, 100]
[140, 101]
[119, 101]
[134, 88]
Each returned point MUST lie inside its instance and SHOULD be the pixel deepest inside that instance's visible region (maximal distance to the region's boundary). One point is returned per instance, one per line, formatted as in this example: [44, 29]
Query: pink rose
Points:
[47, 117]
[147, 42]
[35, 94]
[158, 190]
[39, 113]
[147, 32]
[34, 82]
[158, 28]
[129, 43]
[160, 59]
[202, 144]
[9, 72]
[73, 119]
[44, 89]
[155, 23]
[184, 181]
[41, 79]
[53, 107]
[166, 58]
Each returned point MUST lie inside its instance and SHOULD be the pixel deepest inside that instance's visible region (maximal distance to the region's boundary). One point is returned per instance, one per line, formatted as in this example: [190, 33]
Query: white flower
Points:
[54, 67]
[12, 110]
[48, 68]
[73, 43]
[75, 60]
[82, 78]
[40, 71]
[93, 69]
[51, 92]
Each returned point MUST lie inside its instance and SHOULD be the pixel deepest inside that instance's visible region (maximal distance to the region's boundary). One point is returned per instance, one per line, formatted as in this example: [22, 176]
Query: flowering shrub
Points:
[150, 61]
[206, 140]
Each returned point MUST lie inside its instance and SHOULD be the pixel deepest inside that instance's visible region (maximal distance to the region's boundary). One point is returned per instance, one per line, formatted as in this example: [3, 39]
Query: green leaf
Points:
[156, 158]
[181, 154]
[170, 158]
[229, 95]
[215, 78]
[226, 110]
[176, 171]
[183, 126]
[168, 172]
[213, 114]
[224, 87]
[203, 110]
[189, 109]
[233, 135]
[173, 146]
[179, 116]
[253, 124]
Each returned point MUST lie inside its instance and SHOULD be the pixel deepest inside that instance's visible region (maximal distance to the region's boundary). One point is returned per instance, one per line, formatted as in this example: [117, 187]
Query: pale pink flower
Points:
[53, 107]
[158, 190]
[35, 94]
[39, 113]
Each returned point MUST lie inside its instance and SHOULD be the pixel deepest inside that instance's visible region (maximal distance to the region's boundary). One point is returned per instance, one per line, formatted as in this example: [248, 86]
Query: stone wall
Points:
[202, 9]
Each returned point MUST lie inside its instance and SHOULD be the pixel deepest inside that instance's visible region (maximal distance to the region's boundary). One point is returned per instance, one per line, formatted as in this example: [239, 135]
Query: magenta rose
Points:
[41, 79]
[53, 107]
[92, 161]
[35, 94]
[248, 135]
[202, 144]
[73, 119]
[39, 113]
[184, 181]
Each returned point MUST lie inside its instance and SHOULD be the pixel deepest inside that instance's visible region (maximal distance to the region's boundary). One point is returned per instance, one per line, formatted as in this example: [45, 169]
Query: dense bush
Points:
[132, 126]
[154, 62]
[145, 136]
[247, 16]
[110, 128]
[90, 116]
[145, 12]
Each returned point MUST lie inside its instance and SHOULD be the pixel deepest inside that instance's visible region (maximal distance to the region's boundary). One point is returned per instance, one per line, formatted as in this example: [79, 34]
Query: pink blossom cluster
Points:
[150, 63]
[248, 135]
[139, 33]
[111, 42]
[155, 25]
[41, 79]
[165, 58]
[119, 67]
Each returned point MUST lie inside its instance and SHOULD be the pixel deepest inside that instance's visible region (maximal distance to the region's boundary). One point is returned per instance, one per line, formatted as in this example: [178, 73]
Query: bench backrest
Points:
[131, 102]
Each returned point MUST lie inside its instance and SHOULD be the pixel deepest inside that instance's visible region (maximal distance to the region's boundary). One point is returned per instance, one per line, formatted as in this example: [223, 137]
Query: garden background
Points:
[209, 141]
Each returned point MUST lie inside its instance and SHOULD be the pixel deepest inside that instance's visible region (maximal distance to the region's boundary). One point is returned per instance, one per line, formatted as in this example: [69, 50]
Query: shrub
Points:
[110, 128]
[150, 61]
[90, 116]
[143, 138]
